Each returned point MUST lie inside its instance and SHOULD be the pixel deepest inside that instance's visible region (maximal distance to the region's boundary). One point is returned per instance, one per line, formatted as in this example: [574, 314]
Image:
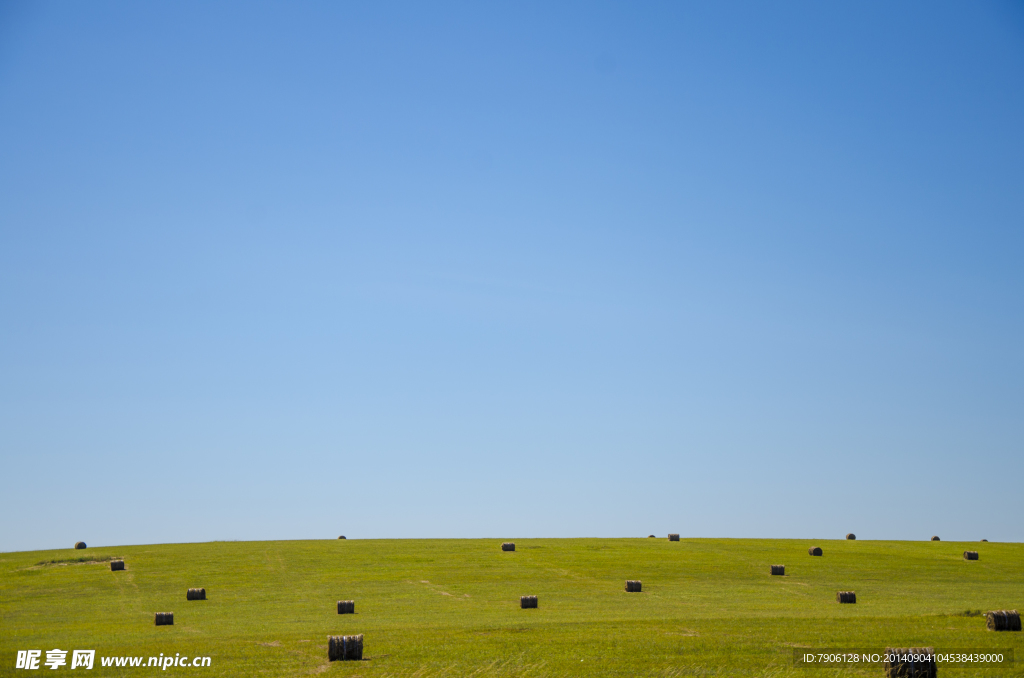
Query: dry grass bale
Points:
[846, 597]
[79, 544]
[936, 539]
[346, 607]
[814, 550]
[673, 537]
[508, 546]
[1003, 620]
[526, 602]
[650, 536]
[910, 662]
[970, 555]
[196, 594]
[851, 536]
[345, 648]
[165, 619]
[778, 569]
[633, 586]
[341, 537]
[116, 565]
[984, 539]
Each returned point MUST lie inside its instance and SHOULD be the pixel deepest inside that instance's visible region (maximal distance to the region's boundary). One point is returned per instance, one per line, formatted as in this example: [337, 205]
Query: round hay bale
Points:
[778, 570]
[910, 662]
[527, 602]
[673, 537]
[814, 551]
[846, 597]
[851, 536]
[346, 607]
[165, 619]
[116, 565]
[345, 648]
[984, 539]
[508, 546]
[341, 537]
[936, 539]
[79, 544]
[970, 555]
[633, 586]
[196, 594]
[650, 536]
[1002, 620]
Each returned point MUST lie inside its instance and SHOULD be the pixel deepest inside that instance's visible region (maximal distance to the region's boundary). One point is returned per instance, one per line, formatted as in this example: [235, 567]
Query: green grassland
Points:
[709, 607]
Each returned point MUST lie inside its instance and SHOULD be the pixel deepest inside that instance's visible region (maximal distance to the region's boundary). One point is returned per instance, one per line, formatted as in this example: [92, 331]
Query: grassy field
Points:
[709, 607]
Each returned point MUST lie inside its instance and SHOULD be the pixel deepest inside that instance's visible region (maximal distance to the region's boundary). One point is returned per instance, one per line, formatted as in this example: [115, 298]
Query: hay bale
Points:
[341, 537]
[910, 662]
[527, 602]
[970, 555]
[346, 607]
[345, 648]
[673, 537]
[116, 565]
[633, 586]
[196, 594]
[936, 539]
[778, 570]
[1002, 620]
[984, 539]
[846, 597]
[650, 536]
[79, 544]
[508, 546]
[851, 536]
[165, 619]
[814, 551]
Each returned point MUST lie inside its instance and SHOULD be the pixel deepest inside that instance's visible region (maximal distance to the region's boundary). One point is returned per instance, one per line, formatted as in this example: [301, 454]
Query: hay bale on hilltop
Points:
[341, 537]
[910, 662]
[196, 594]
[778, 570]
[116, 565]
[673, 537]
[165, 619]
[79, 544]
[650, 536]
[814, 551]
[851, 536]
[846, 597]
[633, 586]
[970, 555]
[346, 607]
[527, 602]
[984, 539]
[1002, 620]
[345, 648]
[508, 546]
[936, 539]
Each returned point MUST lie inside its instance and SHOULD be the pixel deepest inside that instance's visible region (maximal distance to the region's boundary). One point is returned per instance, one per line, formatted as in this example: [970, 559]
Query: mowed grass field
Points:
[709, 607]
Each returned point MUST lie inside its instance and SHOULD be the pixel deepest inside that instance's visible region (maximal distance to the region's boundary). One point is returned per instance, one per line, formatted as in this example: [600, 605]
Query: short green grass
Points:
[431, 608]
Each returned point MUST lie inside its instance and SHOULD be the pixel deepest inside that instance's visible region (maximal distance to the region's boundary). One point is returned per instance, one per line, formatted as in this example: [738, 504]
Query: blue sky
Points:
[295, 270]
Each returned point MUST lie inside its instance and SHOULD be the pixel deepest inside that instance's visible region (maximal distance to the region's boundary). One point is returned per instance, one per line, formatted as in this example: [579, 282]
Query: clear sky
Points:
[296, 270]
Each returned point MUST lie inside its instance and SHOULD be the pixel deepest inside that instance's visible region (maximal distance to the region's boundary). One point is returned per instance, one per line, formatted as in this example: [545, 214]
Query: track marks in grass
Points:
[515, 667]
[275, 563]
[436, 588]
[63, 562]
